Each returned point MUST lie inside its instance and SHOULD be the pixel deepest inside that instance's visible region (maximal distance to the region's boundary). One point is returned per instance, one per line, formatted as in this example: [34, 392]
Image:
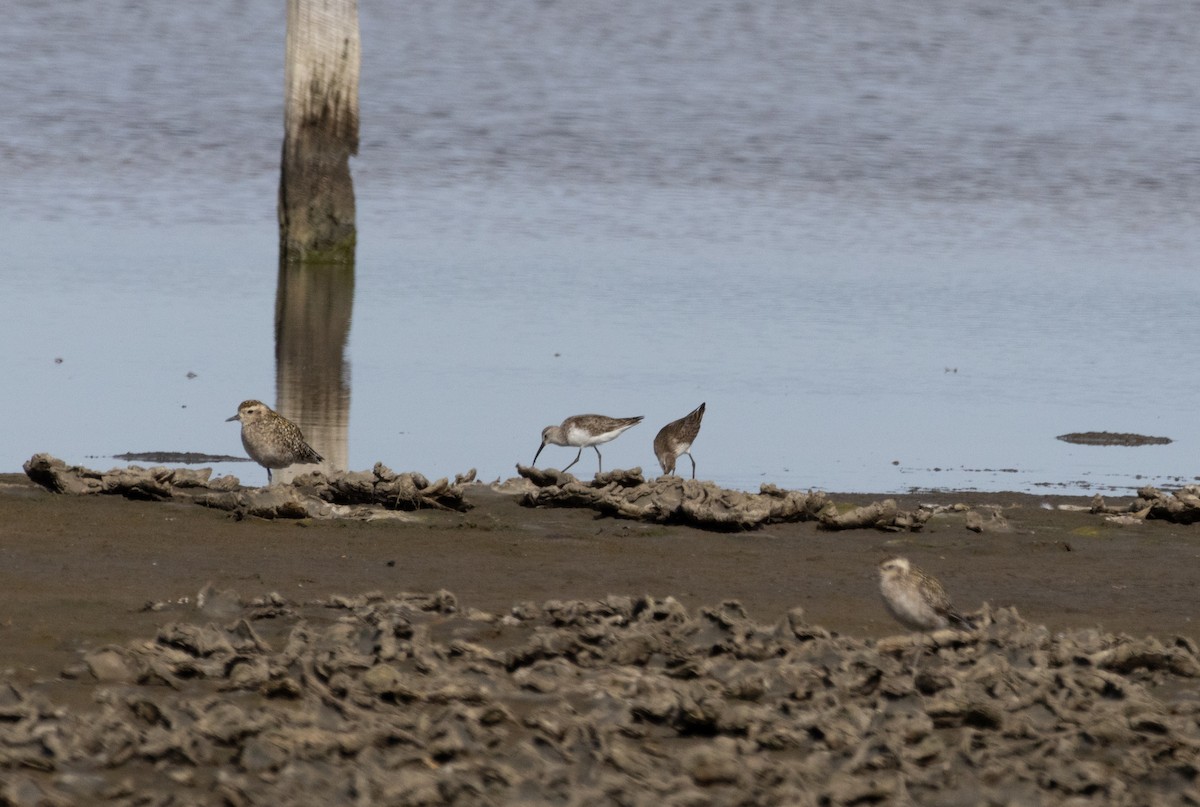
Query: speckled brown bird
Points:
[584, 431]
[675, 439]
[916, 600]
[270, 439]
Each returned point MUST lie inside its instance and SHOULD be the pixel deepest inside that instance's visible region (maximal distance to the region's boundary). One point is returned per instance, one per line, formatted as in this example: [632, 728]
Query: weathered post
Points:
[316, 224]
[316, 194]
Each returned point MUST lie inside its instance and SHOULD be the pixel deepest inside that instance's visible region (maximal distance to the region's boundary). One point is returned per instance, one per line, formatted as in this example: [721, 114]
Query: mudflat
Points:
[509, 654]
[76, 572]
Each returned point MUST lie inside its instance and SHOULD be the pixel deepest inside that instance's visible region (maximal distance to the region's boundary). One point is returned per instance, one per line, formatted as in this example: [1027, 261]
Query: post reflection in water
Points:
[313, 304]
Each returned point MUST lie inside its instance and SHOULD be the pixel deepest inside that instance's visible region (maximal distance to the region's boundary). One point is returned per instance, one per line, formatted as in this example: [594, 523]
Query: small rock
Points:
[111, 666]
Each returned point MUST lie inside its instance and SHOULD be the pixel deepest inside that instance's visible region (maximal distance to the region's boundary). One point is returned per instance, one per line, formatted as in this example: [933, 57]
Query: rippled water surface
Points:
[890, 247]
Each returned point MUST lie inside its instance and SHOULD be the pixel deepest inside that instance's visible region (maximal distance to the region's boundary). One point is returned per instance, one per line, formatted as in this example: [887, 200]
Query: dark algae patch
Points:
[185, 457]
[1113, 439]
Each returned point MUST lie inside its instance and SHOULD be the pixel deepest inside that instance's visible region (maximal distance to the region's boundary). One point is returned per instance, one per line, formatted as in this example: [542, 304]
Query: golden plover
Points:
[675, 439]
[916, 600]
[270, 439]
[583, 431]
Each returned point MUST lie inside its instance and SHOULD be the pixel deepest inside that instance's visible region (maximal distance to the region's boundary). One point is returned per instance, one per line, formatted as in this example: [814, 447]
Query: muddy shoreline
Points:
[78, 569]
[80, 574]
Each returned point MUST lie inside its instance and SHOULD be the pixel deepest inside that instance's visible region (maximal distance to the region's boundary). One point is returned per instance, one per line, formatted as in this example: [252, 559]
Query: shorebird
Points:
[675, 439]
[916, 600]
[583, 431]
[270, 439]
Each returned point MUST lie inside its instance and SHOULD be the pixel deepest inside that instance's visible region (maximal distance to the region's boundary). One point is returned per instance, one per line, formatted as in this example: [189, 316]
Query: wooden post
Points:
[316, 193]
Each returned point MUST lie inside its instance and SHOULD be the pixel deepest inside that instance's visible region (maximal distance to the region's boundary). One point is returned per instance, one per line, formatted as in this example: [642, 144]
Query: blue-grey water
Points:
[892, 246]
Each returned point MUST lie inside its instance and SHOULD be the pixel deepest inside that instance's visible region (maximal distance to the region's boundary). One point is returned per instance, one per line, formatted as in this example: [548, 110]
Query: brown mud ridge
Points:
[1180, 507]
[342, 494]
[674, 500]
[1112, 439]
[360, 494]
[412, 700]
[621, 494]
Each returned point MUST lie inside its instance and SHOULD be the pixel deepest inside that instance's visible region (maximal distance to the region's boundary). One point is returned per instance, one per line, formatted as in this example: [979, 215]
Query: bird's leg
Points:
[693, 459]
[917, 658]
[599, 460]
[577, 456]
[268, 477]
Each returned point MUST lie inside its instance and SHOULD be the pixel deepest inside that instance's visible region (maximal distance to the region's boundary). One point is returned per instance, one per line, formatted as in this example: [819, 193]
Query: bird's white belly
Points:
[910, 609]
[582, 437]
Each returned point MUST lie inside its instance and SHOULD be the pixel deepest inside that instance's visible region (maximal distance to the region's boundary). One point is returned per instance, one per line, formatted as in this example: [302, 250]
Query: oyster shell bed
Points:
[381, 492]
[625, 493]
[413, 699]
[317, 494]
[1181, 506]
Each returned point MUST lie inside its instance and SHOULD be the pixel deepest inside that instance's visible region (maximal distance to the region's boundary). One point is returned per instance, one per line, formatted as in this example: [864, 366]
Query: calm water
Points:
[889, 247]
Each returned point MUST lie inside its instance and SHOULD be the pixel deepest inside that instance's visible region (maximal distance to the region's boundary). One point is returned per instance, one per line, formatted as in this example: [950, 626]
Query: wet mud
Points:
[156, 652]
[412, 699]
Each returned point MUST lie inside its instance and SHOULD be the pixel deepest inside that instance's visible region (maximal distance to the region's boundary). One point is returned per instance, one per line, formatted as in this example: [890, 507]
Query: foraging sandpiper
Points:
[583, 431]
[916, 600]
[272, 440]
[675, 439]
